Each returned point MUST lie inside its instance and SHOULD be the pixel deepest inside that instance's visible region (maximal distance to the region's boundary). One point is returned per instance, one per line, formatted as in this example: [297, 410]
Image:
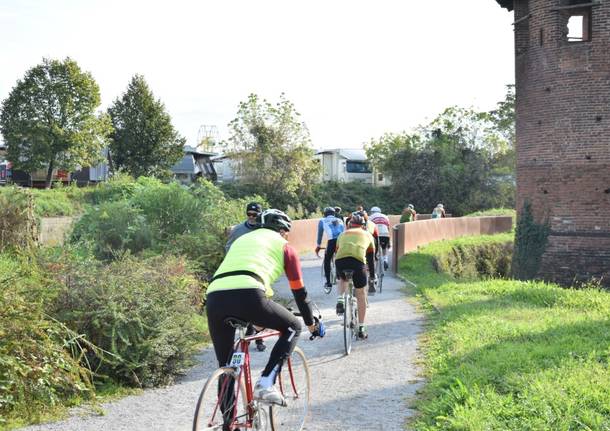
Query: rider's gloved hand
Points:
[320, 329]
[318, 249]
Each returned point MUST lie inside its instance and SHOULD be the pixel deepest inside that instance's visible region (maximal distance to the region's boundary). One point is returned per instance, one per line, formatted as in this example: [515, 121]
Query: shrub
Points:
[530, 243]
[112, 229]
[141, 312]
[169, 209]
[18, 227]
[37, 369]
[120, 187]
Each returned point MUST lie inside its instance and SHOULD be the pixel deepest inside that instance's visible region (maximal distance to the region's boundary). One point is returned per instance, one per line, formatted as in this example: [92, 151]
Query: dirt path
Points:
[367, 390]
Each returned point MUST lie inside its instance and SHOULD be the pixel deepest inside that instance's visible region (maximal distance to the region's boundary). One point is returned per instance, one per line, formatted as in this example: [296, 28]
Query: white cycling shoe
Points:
[269, 395]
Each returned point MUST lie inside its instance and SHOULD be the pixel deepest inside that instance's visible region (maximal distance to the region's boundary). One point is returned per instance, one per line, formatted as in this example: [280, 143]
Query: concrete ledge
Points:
[407, 237]
[53, 230]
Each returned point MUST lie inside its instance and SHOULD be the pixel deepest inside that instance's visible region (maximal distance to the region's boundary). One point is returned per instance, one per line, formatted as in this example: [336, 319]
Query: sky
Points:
[354, 69]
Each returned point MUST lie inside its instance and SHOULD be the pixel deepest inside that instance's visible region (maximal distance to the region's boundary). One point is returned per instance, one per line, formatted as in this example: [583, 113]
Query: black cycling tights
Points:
[331, 246]
[252, 306]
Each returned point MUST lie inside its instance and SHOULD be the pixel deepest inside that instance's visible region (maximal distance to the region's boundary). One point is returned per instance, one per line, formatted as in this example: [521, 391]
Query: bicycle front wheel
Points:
[294, 384]
[220, 403]
[380, 273]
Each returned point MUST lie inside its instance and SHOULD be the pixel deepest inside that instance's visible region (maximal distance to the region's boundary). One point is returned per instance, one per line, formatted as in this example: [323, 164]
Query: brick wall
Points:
[563, 135]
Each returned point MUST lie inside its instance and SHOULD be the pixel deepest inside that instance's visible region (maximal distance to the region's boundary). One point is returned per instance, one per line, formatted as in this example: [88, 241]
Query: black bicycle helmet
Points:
[275, 220]
[338, 211]
[357, 219]
[328, 211]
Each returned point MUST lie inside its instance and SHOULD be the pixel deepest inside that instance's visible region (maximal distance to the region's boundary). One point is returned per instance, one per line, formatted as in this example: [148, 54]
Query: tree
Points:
[144, 142]
[273, 151]
[462, 158]
[49, 121]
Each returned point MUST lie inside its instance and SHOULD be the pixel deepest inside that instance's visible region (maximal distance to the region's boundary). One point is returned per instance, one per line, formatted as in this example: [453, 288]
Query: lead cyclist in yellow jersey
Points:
[352, 248]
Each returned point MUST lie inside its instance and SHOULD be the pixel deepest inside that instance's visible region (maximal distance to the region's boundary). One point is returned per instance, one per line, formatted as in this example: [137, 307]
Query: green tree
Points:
[462, 158]
[49, 122]
[144, 141]
[272, 148]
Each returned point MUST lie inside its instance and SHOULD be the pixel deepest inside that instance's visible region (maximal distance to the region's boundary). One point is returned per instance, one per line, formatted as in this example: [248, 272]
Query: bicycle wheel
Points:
[294, 384]
[348, 326]
[380, 273]
[218, 400]
[355, 324]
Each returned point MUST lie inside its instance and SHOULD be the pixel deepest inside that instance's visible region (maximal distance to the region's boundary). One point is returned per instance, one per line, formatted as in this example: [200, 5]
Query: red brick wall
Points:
[563, 136]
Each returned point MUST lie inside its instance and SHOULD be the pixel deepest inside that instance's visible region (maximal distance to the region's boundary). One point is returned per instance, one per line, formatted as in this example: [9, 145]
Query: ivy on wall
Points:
[531, 239]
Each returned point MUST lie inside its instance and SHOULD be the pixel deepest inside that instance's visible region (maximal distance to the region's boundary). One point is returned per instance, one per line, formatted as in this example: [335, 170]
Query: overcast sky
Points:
[354, 69]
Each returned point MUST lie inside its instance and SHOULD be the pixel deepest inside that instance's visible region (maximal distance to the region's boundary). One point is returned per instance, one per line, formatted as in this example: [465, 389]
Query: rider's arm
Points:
[292, 266]
[320, 232]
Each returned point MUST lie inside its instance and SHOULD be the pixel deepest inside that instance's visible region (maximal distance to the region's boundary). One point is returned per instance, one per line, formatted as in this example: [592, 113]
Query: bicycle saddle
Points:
[235, 322]
[348, 273]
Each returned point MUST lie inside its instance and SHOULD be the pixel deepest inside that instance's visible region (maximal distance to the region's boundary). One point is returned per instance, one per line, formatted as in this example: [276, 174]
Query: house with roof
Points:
[194, 164]
[349, 165]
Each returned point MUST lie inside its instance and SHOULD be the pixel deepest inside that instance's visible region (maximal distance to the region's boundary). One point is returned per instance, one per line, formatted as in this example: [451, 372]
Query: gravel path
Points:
[368, 390]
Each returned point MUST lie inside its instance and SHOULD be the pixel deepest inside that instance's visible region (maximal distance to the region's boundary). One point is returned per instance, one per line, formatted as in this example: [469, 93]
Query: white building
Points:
[348, 165]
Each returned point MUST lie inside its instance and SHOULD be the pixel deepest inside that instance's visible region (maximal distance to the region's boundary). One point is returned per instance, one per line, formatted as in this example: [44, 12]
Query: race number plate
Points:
[237, 360]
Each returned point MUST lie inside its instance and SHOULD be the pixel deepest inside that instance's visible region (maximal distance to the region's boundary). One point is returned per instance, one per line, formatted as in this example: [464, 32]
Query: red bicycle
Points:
[226, 401]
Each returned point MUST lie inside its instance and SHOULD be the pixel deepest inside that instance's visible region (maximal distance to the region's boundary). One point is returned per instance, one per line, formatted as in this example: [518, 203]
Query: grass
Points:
[509, 355]
[496, 212]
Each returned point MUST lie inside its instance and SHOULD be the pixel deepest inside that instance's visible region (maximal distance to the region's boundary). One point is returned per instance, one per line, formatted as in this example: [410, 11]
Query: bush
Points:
[120, 187]
[37, 369]
[169, 209]
[470, 260]
[112, 229]
[18, 227]
[141, 312]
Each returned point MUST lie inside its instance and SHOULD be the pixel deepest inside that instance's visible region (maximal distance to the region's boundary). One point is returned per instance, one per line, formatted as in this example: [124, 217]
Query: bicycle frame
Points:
[242, 345]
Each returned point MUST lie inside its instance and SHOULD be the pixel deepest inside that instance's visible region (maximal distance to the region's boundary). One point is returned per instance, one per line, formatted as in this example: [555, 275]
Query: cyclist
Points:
[352, 248]
[241, 288]
[332, 227]
[253, 212]
[439, 211]
[383, 226]
[371, 228]
[408, 214]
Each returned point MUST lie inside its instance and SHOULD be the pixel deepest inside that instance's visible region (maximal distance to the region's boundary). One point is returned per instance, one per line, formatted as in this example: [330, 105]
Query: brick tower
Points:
[562, 62]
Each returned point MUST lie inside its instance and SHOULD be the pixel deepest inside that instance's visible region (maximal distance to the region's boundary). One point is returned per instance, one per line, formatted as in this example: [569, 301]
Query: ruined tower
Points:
[562, 62]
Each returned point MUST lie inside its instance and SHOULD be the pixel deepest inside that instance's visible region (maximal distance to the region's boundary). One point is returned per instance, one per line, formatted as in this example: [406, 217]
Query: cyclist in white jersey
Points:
[383, 226]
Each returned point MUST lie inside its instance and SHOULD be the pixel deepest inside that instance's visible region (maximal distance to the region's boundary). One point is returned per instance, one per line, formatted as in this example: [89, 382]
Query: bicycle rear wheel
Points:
[294, 384]
[380, 274]
[348, 322]
[333, 272]
[218, 400]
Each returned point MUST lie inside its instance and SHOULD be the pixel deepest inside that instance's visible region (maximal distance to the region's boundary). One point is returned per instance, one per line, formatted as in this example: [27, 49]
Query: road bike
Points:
[350, 314]
[227, 403]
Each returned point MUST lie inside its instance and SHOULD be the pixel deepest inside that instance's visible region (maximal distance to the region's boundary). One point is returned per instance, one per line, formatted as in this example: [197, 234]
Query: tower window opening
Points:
[579, 26]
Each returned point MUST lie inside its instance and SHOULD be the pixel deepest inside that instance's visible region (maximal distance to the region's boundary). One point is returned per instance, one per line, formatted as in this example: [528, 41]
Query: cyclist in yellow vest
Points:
[241, 288]
[352, 248]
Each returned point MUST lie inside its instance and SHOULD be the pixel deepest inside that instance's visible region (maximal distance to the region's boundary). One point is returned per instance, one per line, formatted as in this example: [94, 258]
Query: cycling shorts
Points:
[355, 265]
[384, 242]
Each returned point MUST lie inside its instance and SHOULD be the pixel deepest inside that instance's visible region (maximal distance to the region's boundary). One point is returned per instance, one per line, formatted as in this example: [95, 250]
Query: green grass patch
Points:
[496, 212]
[510, 355]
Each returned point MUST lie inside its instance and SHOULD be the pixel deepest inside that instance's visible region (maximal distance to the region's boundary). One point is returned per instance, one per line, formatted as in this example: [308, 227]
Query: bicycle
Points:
[333, 274]
[350, 313]
[219, 406]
